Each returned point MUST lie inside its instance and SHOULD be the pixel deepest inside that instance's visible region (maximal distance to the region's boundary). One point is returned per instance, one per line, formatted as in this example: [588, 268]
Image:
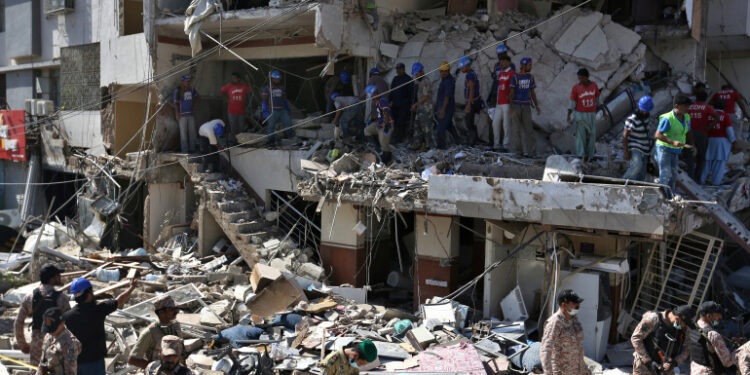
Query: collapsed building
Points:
[492, 241]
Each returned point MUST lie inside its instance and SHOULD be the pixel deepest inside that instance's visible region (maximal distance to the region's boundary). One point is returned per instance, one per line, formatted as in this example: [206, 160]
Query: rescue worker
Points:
[730, 96]
[472, 98]
[742, 357]
[402, 97]
[709, 354]
[562, 343]
[342, 84]
[36, 304]
[346, 360]
[702, 118]
[146, 349]
[721, 137]
[661, 341]
[236, 93]
[349, 116]
[672, 135]
[86, 322]
[522, 95]
[446, 105]
[585, 99]
[378, 81]
[208, 139]
[60, 349]
[383, 126]
[183, 102]
[501, 122]
[275, 95]
[636, 140]
[423, 109]
[168, 362]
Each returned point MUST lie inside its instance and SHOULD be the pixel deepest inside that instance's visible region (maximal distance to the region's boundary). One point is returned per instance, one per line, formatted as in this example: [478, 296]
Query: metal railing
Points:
[299, 227]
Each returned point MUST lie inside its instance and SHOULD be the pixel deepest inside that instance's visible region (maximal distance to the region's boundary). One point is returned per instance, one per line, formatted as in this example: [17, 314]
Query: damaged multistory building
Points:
[480, 239]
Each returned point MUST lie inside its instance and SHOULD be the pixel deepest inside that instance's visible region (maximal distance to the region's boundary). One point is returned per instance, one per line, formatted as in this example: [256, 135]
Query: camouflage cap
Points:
[171, 345]
[163, 301]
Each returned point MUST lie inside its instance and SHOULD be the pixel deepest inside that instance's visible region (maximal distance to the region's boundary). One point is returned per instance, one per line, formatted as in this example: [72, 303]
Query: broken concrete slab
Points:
[552, 29]
[412, 49]
[388, 49]
[277, 296]
[262, 276]
[593, 47]
[623, 38]
[574, 35]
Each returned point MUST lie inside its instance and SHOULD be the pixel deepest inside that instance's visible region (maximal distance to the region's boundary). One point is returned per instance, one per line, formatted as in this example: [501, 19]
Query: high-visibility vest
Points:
[676, 132]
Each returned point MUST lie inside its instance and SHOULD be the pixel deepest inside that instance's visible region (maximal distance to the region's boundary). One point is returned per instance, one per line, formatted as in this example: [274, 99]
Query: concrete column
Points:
[437, 243]
[342, 249]
[499, 282]
[166, 200]
[209, 231]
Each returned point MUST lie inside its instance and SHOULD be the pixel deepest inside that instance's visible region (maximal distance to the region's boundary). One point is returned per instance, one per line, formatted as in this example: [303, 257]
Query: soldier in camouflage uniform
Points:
[60, 348]
[146, 349]
[36, 304]
[651, 342]
[562, 344]
[346, 361]
[742, 357]
[709, 354]
[423, 108]
[169, 362]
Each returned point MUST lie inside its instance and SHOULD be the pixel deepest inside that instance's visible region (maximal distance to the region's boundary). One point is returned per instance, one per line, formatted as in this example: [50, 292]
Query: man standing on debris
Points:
[730, 96]
[708, 352]
[146, 349]
[661, 341]
[236, 92]
[703, 117]
[60, 349]
[86, 322]
[383, 128]
[35, 304]
[472, 98]
[562, 343]
[402, 99]
[522, 94]
[423, 109]
[446, 105]
[501, 122]
[169, 358]
[275, 95]
[672, 135]
[584, 102]
[377, 80]
[346, 361]
[721, 136]
[183, 102]
[636, 140]
[348, 119]
[208, 138]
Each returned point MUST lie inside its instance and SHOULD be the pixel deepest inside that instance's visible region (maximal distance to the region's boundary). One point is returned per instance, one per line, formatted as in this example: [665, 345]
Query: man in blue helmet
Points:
[522, 95]
[342, 84]
[423, 110]
[402, 97]
[208, 139]
[377, 80]
[275, 96]
[86, 322]
[183, 102]
[383, 128]
[472, 98]
[636, 140]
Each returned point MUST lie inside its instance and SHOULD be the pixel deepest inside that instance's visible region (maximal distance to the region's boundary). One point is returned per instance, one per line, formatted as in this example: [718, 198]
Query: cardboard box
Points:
[262, 276]
[276, 296]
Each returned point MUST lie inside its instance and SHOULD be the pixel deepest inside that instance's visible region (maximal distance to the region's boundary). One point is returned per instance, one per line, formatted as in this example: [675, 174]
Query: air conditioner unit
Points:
[58, 6]
[44, 107]
[514, 309]
[30, 107]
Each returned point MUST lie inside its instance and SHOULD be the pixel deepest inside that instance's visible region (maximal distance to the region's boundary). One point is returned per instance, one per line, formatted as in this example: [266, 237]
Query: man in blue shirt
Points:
[522, 95]
[183, 102]
[383, 127]
[472, 98]
[402, 98]
[275, 96]
[672, 135]
[445, 105]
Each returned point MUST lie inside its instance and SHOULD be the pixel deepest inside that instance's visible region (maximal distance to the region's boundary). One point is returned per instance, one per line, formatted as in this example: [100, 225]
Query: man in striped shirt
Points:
[636, 141]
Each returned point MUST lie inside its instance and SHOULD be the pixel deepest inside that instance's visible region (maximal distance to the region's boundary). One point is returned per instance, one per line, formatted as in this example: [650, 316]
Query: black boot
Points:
[386, 157]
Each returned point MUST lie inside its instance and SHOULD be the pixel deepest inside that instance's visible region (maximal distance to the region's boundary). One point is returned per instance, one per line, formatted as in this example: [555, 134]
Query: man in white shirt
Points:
[349, 116]
[208, 139]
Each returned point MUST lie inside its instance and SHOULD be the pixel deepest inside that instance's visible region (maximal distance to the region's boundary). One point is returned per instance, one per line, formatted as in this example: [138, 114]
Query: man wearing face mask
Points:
[709, 354]
[346, 361]
[661, 341]
[169, 362]
[146, 349]
[562, 343]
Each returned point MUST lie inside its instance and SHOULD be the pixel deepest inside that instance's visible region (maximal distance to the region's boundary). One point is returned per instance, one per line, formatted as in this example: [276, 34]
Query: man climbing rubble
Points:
[672, 135]
[36, 304]
[346, 361]
[382, 127]
[473, 100]
[661, 341]
[636, 140]
[275, 96]
[146, 349]
[522, 94]
[562, 342]
[423, 110]
[445, 105]
[60, 349]
[169, 358]
[86, 322]
[709, 354]
[585, 99]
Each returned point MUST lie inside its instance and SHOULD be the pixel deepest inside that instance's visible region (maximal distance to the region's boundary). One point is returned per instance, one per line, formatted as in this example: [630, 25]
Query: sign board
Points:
[13, 135]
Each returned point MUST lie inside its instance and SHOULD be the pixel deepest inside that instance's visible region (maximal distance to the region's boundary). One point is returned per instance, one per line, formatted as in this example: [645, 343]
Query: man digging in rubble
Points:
[423, 109]
[169, 358]
[672, 135]
[208, 139]
[636, 140]
[146, 349]
[709, 354]
[35, 304]
[585, 99]
[382, 128]
[446, 105]
[60, 349]
[522, 94]
[661, 341]
[472, 98]
[562, 343]
[346, 361]
[86, 322]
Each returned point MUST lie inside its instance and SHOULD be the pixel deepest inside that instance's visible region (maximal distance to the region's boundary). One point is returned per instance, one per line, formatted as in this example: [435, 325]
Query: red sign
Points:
[13, 135]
